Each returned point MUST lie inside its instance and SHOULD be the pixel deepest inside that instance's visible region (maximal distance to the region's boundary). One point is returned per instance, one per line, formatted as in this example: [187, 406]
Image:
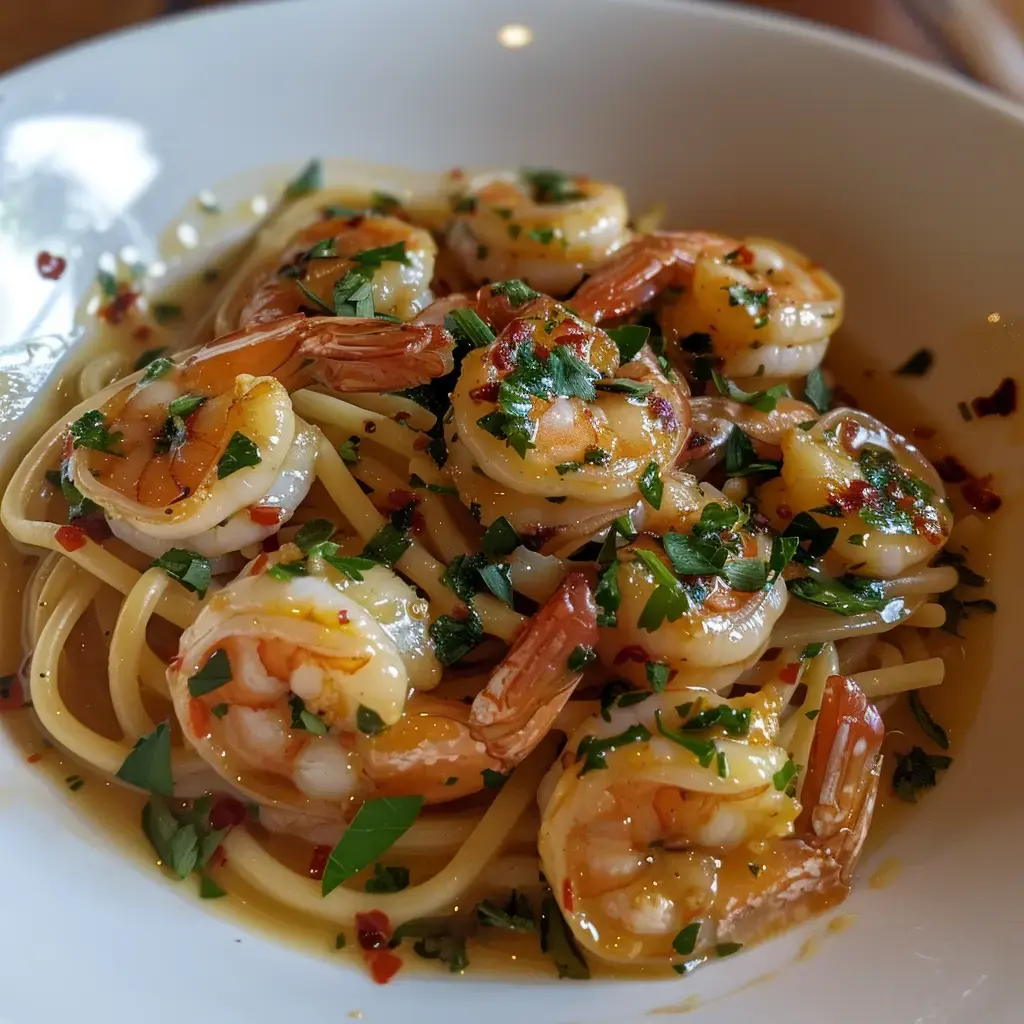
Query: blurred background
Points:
[981, 38]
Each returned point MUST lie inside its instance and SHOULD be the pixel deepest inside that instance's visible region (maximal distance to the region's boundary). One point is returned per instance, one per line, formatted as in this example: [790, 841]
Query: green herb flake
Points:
[651, 485]
[212, 676]
[551, 187]
[493, 779]
[500, 538]
[185, 405]
[657, 675]
[929, 726]
[592, 750]
[74, 783]
[816, 391]
[703, 750]
[454, 638]
[384, 204]
[349, 450]
[516, 915]
[763, 401]
[728, 948]
[377, 825]
[148, 766]
[166, 312]
[240, 453]
[309, 179]
[387, 879]
[190, 569]
[557, 941]
[151, 356]
[581, 657]
[629, 340]
[686, 941]
[209, 889]
[916, 770]
[918, 364]
[741, 459]
[782, 778]
[90, 431]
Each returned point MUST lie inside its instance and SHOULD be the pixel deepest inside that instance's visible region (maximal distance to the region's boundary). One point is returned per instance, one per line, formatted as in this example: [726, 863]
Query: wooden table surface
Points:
[31, 28]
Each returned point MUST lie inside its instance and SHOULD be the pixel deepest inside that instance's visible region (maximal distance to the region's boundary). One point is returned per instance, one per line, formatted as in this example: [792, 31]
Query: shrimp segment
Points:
[667, 837]
[317, 710]
[166, 476]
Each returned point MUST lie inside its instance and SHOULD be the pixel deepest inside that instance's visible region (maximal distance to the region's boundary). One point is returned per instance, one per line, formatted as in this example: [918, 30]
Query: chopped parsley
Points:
[516, 291]
[556, 939]
[516, 915]
[703, 750]
[918, 364]
[240, 453]
[500, 538]
[304, 719]
[686, 941]
[651, 485]
[804, 528]
[212, 676]
[183, 839]
[741, 459]
[929, 726]
[493, 779]
[384, 203]
[316, 531]
[816, 391]
[148, 765]
[657, 675]
[763, 401]
[191, 570]
[917, 770]
[90, 431]
[592, 750]
[150, 356]
[387, 879]
[581, 657]
[783, 778]
[454, 638]
[629, 339]
[849, 595]
[309, 179]
[618, 694]
[754, 302]
[551, 187]
[349, 450]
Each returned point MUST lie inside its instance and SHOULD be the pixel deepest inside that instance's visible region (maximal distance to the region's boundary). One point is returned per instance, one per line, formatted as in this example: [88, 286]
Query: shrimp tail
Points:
[638, 272]
[363, 354]
[530, 687]
[843, 773]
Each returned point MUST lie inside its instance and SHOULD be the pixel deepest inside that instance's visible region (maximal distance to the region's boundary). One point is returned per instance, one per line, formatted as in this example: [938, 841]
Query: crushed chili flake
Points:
[383, 964]
[978, 495]
[95, 527]
[318, 862]
[71, 538]
[343, 617]
[486, 392]
[175, 663]
[783, 511]
[418, 524]
[259, 565]
[198, 717]
[420, 442]
[50, 266]
[227, 812]
[632, 653]
[143, 332]
[34, 758]
[265, 515]
[460, 612]
[790, 672]
[567, 901]
[1002, 401]
[373, 929]
[399, 499]
[119, 307]
[535, 537]
[859, 494]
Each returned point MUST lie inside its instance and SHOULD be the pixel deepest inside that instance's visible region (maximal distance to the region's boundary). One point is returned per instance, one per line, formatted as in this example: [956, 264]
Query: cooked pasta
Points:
[437, 606]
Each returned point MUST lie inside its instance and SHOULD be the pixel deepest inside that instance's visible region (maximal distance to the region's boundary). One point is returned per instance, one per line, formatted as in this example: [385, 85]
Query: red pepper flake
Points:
[567, 895]
[486, 392]
[632, 653]
[95, 527]
[420, 442]
[198, 717]
[143, 332]
[227, 812]
[343, 617]
[318, 862]
[119, 307]
[259, 565]
[783, 511]
[175, 663]
[537, 536]
[978, 495]
[11, 696]
[373, 929]
[744, 256]
[859, 494]
[662, 411]
[418, 524]
[34, 758]
[399, 499]
[1002, 401]
[790, 672]
[266, 515]
[71, 538]
[49, 266]
[951, 470]
[460, 612]
[383, 965]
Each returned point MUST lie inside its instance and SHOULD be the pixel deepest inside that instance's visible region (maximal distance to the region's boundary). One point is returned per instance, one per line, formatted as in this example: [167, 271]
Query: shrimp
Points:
[317, 713]
[179, 448]
[545, 227]
[692, 822]
[548, 411]
[763, 308]
[711, 626]
[394, 263]
[882, 496]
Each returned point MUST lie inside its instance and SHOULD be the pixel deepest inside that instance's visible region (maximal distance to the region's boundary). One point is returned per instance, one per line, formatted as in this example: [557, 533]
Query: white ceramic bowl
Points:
[904, 180]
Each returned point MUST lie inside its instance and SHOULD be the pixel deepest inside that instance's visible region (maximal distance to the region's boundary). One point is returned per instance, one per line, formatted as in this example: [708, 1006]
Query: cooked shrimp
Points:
[649, 265]
[719, 624]
[316, 707]
[765, 308]
[547, 410]
[542, 226]
[398, 260]
[691, 822]
[884, 498]
[180, 448]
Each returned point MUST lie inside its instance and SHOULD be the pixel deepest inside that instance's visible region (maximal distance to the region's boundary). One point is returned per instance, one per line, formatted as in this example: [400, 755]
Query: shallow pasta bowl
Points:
[903, 180]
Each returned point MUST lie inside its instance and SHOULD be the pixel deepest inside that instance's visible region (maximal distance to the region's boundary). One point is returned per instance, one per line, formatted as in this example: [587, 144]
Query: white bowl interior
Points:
[902, 180]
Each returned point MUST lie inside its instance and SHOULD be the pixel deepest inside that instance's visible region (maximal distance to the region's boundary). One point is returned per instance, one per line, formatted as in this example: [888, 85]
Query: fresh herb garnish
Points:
[805, 528]
[754, 302]
[629, 339]
[657, 675]
[309, 179]
[736, 722]
[150, 356]
[916, 770]
[742, 460]
[213, 675]
[157, 368]
[516, 915]
[580, 657]
[592, 750]
[516, 291]
[349, 450]
[377, 825]
[466, 327]
[668, 601]
[384, 203]
[651, 485]
[389, 543]
[387, 879]
[703, 750]
[784, 776]
[811, 651]
[929, 726]
[185, 405]
[686, 941]
[304, 719]
[847, 596]
[551, 187]
[632, 389]
[618, 694]
[816, 391]
[189, 568]
[449, 949]
[316, 531]
[763, 401]
[90, 431]
[500, 538]
[454, 638]
[556, 939]
[493, 779]
[918, 364]
[182, 840]
[240, 453]
[148, 766]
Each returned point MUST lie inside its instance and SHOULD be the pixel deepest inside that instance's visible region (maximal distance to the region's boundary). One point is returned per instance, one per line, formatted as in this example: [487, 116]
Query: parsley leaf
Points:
[847, 596]
[651, 486]
[466, 327]
[784, 776]
[516, 915]
[816, 391]
[929, 726]
[239, 454]
[389, 543]
[191, 570]
[703, 750]
[90, 431]
[916, 770]
[150, 356]
[592, 750]
[556, 939]
[918, 364]
[763, 401]
[516, 291]
[657, 675]
[500, 538]
[212, 676]
[316, 531]
[387, 879]
[309, 179]
[629, 339]
[742, 460]
[148, 766]
[454, 638]
[803, 527]
[607, 595]
[377, 825]
[551, 187]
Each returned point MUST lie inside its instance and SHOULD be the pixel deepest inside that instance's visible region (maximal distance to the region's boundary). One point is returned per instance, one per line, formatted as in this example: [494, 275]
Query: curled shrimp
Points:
[549, 411]
[692, 821]
[881, 494]
[721, 624]
[179, 448]
[763, 307]
[547, 228]
[317, 711]
[299, 261]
